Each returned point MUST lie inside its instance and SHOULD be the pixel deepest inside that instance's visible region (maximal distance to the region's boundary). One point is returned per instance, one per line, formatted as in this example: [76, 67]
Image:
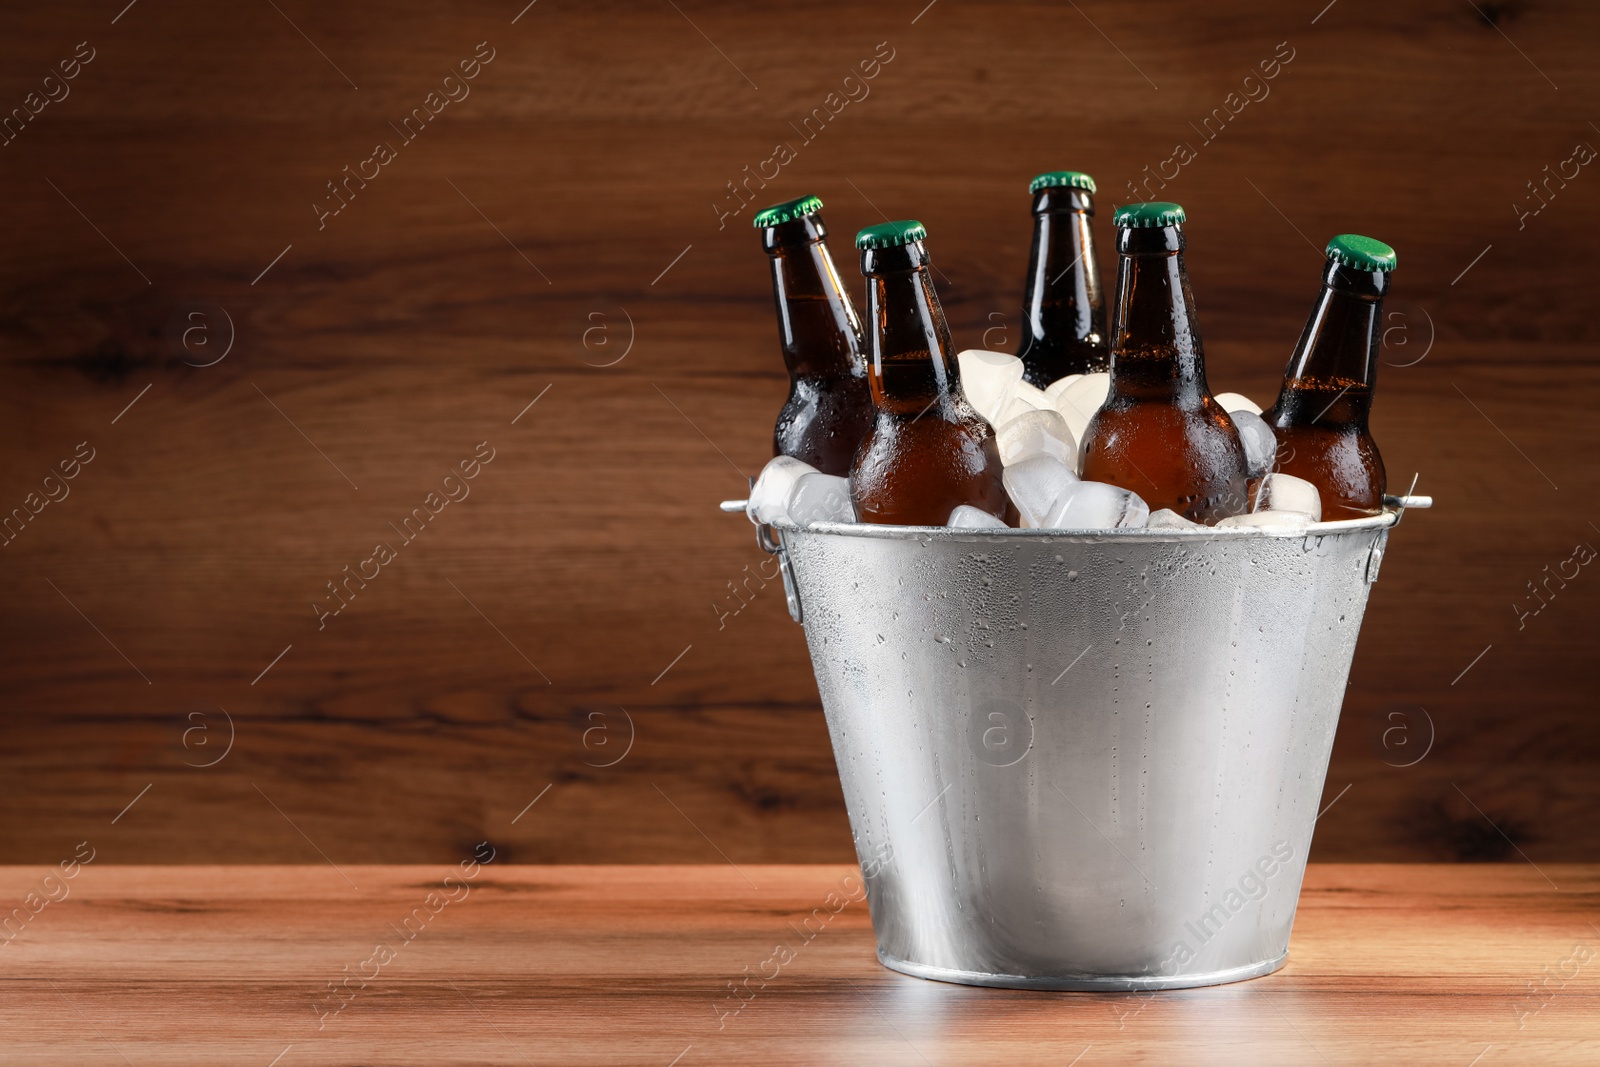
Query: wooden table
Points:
[559, 965]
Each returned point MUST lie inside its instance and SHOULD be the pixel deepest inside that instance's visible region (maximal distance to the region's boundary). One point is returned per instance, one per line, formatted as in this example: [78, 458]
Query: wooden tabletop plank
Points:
[1435, 964]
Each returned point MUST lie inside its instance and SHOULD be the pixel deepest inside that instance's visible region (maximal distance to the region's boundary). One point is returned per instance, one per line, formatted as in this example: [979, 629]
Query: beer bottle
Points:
[1321, 414]
[829, 407]
[1159, 433]
[928, 450]
[1064, 312]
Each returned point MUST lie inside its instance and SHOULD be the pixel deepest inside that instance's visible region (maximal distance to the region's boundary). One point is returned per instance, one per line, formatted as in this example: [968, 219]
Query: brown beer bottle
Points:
[1064, 308]
[1160, 434]
[1321, 414]
[829, 407]
[927, 450]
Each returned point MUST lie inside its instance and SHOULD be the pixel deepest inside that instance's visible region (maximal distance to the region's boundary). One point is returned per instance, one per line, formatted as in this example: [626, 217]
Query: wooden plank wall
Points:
[562, 231]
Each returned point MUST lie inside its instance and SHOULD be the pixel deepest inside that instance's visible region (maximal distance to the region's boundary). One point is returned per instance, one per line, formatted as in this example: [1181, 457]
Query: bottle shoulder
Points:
[1151, 433]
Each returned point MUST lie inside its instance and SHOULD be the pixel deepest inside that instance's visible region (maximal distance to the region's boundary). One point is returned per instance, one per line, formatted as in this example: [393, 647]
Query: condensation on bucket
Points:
[1083, 762]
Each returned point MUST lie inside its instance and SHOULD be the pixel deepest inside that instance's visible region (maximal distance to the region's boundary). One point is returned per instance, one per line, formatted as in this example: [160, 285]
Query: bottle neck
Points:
[1339, 345]
[1156, 352]
[1063, 288]
[912, 371]
[817, 322]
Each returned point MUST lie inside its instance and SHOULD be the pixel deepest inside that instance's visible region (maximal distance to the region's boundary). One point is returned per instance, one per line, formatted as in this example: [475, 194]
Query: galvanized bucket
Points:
[1082, 760]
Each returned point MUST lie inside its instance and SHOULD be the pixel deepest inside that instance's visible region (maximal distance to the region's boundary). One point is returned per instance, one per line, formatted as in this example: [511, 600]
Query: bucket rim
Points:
[1136, 535]
[1388, 517]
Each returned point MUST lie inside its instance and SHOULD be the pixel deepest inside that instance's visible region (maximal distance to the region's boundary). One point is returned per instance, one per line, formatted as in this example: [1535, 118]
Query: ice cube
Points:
[1167, 519]
[769, 497]
[1033, 396]
[818, 497]
[1037, 433]
[965, 517]
[1024, 398]
[1059, 386]
[1097, 506]
[1260, 443]
[1232, 402]
[1079, 401]
[1035, 484]
[1270, 520]
[1285, 492]
[988, 380]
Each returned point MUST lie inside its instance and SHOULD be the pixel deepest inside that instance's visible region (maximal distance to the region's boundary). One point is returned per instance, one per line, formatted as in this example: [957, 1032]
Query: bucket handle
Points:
[1407, 499]
[1398, 504]
[771, 540]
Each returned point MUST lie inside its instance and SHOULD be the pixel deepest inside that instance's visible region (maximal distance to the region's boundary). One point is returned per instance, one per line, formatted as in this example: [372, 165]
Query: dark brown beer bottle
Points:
[928, 450]
[1321, 414]
[829, 407]
[1064, 308]
[1159, 433]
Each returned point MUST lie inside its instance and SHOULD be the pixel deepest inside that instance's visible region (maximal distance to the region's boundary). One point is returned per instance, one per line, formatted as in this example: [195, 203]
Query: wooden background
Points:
[573, 191]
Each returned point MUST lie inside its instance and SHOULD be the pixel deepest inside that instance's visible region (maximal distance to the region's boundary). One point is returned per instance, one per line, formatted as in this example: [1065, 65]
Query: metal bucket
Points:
[1088, 760]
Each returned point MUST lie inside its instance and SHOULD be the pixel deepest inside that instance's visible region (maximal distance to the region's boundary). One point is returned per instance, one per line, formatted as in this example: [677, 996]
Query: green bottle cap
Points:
[1062, 179]
[891, 234]
[1362, 253]
[1149, 216]
[787, 211]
